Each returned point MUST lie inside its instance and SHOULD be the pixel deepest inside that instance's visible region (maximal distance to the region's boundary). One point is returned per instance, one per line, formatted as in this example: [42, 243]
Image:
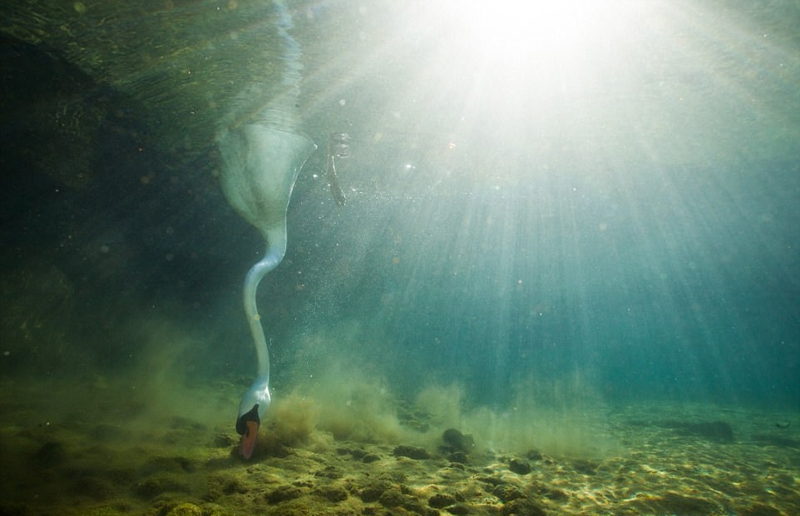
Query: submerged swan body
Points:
[260, 166]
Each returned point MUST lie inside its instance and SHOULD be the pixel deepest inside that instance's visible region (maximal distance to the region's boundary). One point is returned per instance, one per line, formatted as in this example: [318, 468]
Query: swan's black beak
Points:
[247, 425]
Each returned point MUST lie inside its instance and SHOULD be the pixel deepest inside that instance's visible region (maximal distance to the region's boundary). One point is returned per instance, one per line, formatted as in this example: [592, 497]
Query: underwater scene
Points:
[413, 257]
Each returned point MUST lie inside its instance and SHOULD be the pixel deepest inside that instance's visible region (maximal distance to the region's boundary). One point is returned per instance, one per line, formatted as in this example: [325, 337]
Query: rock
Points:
[50, 454]
[395, 498]
[455, 441]
[224, 441]
[522, 507]
[506, 492]
[441, 500]
[494, 481]
[176, 465]
[557, 495]
[458, 457]
[519, 467]
[234, 485]
[392, 498]
[158, 484]
[760, 509]
[534, 455]
[411, 452]
[370, 457]
[95, 487]
[675, 503]
[186, 509]
[355, 453]
[331, 472]
[373, 490]
[222, 484]
[283, 493]
[586, 467]
[332, 493]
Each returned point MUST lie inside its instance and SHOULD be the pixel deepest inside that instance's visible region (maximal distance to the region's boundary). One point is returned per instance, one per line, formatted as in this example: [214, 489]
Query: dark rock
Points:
[458, 457]
[224, 441]
[233, 486]
[373, 490]
[168, 465]
[412, 452]
[674, 503]
[370, 457]
[522, 507]
[441, 500]
[458, 510]
[331, 472]
[519, 467]
[392, 498]
[586, 467]
[455, 441]
[158, 484]
[395, 498]
[557, 495]
[394, 476]
[506, 492]
[283, 493]
[185, 509]
[494, 481]
[96, 488]
[332, 493]
[540, 489]
[355, 453]
[120, 476]
[760, 509]
[222, 484]
[50, 454]
[534, 455]
[303, 482]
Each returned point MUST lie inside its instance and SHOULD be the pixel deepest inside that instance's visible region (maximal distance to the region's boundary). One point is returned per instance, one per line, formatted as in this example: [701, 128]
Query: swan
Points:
[261, 158]
[260, 166]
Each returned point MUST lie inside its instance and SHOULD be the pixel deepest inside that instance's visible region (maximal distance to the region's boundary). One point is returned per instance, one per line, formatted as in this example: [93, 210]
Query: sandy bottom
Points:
[96, 448]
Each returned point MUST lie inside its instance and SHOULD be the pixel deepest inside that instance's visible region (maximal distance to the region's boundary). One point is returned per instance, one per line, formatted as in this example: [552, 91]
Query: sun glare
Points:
[511, 31]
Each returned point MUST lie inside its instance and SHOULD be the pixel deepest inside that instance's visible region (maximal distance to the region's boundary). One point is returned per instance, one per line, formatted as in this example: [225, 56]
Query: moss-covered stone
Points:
[411, 452]
[155, 485]
[186, 509]
[284, 493]
[441, 500]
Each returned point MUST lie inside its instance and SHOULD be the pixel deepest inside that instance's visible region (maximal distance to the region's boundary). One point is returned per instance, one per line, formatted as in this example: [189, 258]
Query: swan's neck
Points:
[276, 249]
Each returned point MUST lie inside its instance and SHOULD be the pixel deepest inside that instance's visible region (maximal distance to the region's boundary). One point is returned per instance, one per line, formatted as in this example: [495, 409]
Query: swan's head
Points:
[252, 408]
